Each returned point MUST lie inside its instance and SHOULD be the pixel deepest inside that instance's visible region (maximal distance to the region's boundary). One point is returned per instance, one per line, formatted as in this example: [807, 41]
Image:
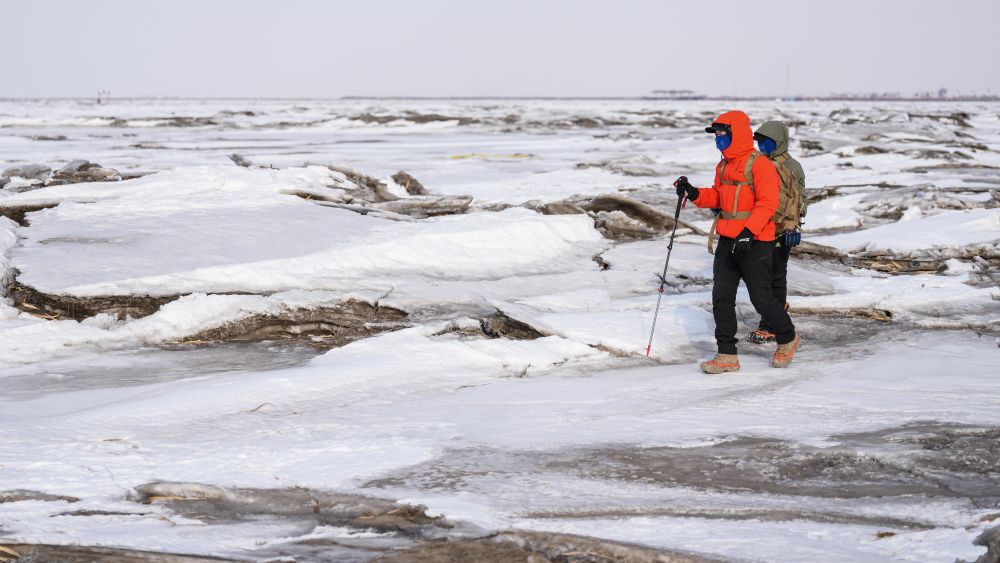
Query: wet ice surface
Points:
[877, 444]
[149, 365]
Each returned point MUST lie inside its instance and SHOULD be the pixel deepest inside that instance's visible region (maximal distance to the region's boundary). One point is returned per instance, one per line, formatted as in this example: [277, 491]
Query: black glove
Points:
[685, 187]
[742, 243]
[793, 237]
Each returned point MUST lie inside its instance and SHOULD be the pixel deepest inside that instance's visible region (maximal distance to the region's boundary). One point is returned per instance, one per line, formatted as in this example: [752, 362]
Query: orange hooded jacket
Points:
[761, 202]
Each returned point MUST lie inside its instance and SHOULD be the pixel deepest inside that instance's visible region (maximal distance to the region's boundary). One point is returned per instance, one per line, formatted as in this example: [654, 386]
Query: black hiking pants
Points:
[779, 278]
[754, 268]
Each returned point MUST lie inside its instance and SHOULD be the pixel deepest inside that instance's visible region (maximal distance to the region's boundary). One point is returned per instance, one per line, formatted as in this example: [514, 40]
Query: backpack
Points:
[789, 213]
[748, 181]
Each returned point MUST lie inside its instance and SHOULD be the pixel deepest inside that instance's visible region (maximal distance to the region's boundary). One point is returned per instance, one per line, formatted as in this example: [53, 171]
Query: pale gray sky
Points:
[312, 48]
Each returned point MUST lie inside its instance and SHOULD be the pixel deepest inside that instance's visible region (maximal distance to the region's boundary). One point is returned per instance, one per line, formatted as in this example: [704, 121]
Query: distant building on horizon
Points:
[675, 95]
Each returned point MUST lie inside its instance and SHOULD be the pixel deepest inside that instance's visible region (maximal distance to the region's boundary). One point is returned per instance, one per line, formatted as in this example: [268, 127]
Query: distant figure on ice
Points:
[772, 140]
[746, 193]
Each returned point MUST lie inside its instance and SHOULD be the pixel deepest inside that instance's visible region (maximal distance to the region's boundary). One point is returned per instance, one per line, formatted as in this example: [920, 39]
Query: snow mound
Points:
[232, 229]
[946, 229]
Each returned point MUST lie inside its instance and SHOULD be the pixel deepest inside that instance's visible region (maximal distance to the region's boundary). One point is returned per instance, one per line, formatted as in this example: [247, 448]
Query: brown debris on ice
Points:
[621, 217]
[54, 306]
[20, 495]
[882, 315]
[325, 327]
[366, 194]
[521, 546]
[499, 325]
[990, 539]
[240, 160]
[409, 183]
[47, 553]
[632, 166]
[421, 207]
[83, 171]
[19, 213]
[195, 500]
[36, 176]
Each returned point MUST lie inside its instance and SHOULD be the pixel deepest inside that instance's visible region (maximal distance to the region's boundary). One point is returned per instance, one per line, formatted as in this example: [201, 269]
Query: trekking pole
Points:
[663, 277]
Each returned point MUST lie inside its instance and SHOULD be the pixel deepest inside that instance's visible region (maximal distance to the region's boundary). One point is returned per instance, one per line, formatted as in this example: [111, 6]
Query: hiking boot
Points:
[785, 352]
[760, 336]
[721, 363]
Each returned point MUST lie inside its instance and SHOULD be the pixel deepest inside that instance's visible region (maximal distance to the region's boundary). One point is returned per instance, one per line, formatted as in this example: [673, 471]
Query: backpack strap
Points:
[747, 181]
[747, 172]
[735, 214]
[711, 235]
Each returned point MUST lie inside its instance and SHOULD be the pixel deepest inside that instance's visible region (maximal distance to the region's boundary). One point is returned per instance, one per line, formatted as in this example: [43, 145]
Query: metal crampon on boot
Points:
[760, 336]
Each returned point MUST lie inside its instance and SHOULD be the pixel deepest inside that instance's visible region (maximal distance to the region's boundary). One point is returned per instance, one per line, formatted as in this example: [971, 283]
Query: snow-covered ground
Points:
[879, 442]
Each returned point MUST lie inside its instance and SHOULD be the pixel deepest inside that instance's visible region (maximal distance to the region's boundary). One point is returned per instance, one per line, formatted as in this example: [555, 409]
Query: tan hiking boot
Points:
[785, 352]
[721, 363]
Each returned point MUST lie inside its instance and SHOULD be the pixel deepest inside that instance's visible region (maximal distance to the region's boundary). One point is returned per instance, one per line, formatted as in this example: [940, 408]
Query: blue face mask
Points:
[722, 142]
[767, 146]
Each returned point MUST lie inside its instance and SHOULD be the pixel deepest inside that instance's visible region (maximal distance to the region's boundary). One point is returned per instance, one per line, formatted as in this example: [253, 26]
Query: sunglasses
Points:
[719, 129]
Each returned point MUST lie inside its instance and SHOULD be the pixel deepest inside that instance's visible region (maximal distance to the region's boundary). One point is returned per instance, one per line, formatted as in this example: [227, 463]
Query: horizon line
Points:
[690, 98]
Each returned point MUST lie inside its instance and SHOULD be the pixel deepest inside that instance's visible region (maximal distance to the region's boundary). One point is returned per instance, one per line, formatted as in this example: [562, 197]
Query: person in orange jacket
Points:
[745, 193]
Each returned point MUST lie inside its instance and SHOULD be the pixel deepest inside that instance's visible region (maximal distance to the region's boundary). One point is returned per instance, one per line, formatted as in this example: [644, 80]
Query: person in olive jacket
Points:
[772, 140]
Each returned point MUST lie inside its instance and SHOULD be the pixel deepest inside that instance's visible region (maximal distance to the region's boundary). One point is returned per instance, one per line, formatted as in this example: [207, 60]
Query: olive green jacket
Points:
[777, 131]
